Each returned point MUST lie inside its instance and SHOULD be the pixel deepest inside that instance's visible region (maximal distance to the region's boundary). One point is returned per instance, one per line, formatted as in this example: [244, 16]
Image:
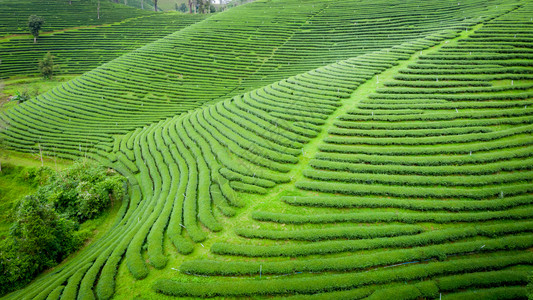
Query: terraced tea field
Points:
[79, 50]
[307, 149]
[72, 33]
[61, 15]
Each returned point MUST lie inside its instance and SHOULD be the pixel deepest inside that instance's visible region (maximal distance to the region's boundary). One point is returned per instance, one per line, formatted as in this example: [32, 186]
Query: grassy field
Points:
[317, 149]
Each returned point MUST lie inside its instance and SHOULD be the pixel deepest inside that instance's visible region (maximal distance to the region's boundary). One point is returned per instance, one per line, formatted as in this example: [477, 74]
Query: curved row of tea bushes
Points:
[411, 204]
[60, 14]
[215, 150]
[330, 282]
[329, 247]
[358, 262]
[376, 171]
[520, 213]
[220, 57]
[413, 138]
[81, 50]
[247, 142]
[330, 233]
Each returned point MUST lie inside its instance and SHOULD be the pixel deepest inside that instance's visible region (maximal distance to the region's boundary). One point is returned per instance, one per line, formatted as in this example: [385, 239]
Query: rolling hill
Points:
[307, 149]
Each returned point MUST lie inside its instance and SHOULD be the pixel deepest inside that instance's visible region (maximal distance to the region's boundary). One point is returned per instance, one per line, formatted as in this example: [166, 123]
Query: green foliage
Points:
[252, 142]
[183, 8]
[40, 231]
[15, 183]
[34, 24]
[47, 67]
[21, 96]
[82, 191]
[46, 223]
[39, 239]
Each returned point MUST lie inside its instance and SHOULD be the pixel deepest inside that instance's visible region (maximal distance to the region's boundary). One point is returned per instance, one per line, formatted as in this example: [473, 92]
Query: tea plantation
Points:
[296, 149]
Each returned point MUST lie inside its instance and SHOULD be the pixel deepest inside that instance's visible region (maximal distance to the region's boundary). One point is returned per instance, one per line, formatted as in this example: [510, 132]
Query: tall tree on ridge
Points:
[35, 23]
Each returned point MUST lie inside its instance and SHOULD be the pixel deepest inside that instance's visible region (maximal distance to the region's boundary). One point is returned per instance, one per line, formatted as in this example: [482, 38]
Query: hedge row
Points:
[330, 233]
[403, 180]
[411, 204]
[358, 262]
[329, 282]
[327, 247]
[404, 217]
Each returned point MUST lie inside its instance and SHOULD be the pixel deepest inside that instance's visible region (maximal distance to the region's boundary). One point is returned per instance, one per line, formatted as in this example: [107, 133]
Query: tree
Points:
[203, 6]
[47, 67]
[35, 23]
[155, 5]
[183, 8]
[38, 239]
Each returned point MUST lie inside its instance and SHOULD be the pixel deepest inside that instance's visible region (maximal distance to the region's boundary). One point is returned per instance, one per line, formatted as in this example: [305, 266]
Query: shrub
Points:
[83, 191]
[47, 67]
[45, 230]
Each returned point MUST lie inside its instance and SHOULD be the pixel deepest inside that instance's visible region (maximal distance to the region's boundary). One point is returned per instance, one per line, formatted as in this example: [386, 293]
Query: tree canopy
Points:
[35, 23]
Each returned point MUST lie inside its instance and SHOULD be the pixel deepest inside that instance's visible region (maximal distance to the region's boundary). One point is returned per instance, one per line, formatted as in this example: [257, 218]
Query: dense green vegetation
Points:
[329, 149]
[45, 224]
[15, 182]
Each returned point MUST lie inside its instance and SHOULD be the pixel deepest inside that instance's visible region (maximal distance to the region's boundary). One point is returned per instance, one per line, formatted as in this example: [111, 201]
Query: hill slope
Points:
[436, 175]
[359, 165]
[77, 51]
[60, 14]
[222, 56]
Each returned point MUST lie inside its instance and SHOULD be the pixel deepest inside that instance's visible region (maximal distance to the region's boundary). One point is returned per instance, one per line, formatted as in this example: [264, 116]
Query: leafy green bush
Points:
[46, 224]
[82, 191]
[39, 239]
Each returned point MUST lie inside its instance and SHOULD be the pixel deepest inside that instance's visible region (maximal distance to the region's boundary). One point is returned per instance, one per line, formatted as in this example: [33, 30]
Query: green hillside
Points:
[220, 57]
[77, 51]
[307, 149]
[60, 14]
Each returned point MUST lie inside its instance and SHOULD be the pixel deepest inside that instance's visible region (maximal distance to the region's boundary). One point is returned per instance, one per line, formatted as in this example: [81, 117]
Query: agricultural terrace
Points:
[345, 149]
[77, 51]
[60, 15]
[224, 55]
